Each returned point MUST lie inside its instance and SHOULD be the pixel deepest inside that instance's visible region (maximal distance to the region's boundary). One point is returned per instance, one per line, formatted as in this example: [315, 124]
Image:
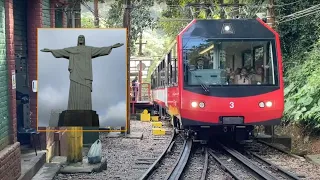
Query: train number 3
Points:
[231, 105]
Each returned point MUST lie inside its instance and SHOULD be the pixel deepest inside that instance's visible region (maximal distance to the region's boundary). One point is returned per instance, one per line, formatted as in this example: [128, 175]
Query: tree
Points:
[297, 36]
[140, 18]
[87, 20]
[301, 61]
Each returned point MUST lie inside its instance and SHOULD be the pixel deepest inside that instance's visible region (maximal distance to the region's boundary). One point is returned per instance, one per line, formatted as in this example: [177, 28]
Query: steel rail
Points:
[279, 149]
[181, 162]
[255, 169]
[223, 165]
[274, 167]
[147, 174]
[205, 165]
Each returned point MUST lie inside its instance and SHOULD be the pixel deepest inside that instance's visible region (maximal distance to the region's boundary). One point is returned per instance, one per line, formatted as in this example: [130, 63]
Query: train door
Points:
[21, 58]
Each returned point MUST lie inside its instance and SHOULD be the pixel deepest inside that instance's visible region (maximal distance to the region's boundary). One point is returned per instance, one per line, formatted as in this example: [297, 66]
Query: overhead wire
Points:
[287, 4]
[303, 13]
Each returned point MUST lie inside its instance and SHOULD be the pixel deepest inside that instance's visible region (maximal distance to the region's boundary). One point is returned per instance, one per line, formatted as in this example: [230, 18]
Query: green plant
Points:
[302, 94]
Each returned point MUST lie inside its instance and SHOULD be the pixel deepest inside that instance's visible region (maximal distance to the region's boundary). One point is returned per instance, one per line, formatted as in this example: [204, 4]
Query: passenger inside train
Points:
[213, 62]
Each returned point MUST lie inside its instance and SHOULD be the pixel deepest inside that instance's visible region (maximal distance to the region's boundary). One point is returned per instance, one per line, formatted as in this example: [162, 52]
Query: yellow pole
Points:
[75, 144]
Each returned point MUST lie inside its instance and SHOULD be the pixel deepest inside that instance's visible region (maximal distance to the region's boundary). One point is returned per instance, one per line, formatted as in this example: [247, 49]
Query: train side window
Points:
[174, 71]
[169, 69]
[158, 76]
[162, 73]
[151, 81]
[176, 63]
[171, 74]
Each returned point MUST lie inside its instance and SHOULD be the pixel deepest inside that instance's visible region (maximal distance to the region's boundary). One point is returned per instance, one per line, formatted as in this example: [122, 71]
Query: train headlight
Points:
[227, 28]
[194, 104]
[201, 104]
[261, 104]
[268, 103]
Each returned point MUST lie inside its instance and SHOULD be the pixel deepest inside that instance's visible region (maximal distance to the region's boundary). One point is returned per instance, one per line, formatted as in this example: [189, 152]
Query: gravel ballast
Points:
[127, 158]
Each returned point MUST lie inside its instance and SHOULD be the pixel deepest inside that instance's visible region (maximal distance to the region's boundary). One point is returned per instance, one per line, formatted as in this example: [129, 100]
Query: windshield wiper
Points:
[203, 85]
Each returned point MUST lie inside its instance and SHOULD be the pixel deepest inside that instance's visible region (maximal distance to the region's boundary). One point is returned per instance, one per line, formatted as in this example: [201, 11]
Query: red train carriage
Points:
[199, 83]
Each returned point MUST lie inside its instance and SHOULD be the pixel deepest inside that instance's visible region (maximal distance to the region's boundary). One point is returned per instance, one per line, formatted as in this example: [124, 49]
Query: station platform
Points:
[140, 98]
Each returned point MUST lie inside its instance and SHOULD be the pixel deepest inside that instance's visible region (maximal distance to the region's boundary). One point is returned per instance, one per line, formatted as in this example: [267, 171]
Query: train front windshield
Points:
[214, 62]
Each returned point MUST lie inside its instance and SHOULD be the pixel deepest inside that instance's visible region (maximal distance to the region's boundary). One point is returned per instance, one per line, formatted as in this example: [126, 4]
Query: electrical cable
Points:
[316, 7]
[297, 15]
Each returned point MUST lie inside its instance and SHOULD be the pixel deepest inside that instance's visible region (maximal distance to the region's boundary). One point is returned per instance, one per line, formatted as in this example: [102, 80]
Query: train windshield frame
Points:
[213, 62]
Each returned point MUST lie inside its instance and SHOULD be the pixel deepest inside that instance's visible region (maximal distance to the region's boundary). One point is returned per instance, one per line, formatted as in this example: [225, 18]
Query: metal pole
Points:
[271, 22]
[140, 80]
[126, 24]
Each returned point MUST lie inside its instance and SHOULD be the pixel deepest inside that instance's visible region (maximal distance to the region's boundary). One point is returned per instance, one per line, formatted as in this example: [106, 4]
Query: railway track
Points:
[171, 162]
[178, 161]
[249, 166]
[197, 167]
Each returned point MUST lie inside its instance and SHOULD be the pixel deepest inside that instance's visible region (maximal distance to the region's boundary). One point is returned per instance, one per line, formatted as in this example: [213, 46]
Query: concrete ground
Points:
[58, 163]
[30, 162]
[49, 170]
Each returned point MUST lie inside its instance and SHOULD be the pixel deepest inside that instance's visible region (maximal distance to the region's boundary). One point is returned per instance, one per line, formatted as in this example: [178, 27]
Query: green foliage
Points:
[140, 18]
[302, 95]
[301, 58]
[297, 36]
[301, 55]
[87, 20]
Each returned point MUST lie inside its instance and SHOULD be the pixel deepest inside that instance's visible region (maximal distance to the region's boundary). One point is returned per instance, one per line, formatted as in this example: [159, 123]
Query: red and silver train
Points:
[221, 76]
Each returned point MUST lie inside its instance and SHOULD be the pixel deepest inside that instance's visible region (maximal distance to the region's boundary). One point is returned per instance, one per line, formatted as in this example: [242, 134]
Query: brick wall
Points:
[11, 68]
[34, 22]
[10, 165]
[4, 104]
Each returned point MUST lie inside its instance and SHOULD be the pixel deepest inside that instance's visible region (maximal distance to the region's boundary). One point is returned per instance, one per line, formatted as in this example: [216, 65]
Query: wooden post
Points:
[271, 14]
[140, 45]
[96, 14]
[127, 24]
[75, 144]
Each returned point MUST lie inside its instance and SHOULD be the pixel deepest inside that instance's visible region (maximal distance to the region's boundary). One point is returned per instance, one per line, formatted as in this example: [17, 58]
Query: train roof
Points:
[228, 28]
